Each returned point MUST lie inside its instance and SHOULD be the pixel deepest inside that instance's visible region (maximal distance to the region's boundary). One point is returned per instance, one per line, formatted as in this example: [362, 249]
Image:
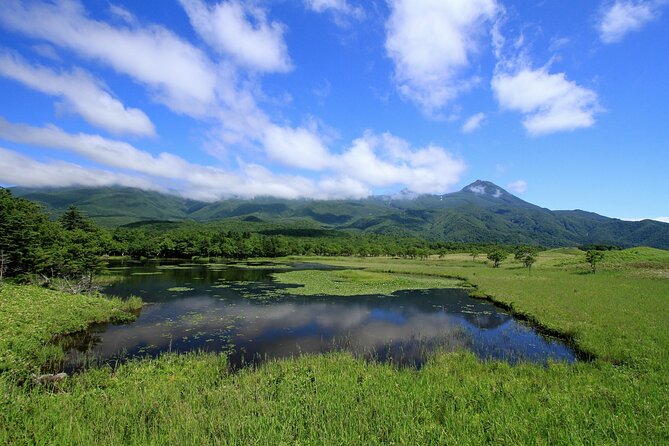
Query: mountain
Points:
[479, 212]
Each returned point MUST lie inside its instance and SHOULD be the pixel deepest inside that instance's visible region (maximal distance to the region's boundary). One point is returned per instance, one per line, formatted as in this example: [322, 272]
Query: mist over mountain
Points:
[479, 212]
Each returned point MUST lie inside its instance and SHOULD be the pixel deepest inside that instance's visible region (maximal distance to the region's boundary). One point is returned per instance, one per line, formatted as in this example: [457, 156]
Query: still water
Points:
[240, 310]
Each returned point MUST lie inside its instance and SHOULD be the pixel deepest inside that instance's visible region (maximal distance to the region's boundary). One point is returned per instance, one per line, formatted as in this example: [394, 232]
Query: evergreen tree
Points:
[24, 229]
[73, 219]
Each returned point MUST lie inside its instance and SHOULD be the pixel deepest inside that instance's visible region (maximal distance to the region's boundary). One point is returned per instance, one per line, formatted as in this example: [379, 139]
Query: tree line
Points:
[72, 248]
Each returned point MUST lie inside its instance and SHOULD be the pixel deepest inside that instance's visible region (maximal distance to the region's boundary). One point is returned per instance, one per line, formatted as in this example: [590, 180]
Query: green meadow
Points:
[619, 317]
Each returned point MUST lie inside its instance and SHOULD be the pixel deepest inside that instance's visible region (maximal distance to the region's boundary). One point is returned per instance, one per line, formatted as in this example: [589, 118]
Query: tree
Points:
[4, 264]
[497, 256]
[475, 253]
[528, 260]
[79, 260]
[593, 257]
[73, 219]
[24, 229]
[526, 255]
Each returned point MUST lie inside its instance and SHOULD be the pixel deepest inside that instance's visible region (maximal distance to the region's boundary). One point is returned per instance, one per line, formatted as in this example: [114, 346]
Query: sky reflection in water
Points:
[404, 328]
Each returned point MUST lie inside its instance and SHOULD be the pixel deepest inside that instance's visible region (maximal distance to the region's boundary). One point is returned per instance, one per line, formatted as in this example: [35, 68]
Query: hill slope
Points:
[480, 212]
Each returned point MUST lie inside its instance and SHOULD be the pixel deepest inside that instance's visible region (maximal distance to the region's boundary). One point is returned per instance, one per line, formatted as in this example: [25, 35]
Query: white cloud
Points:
[178, 74]
[431, 43]
[549, 102]
[222, 93]
[660, 219]
[296, 147]
[342, 187]
[193, 180]
[17, 169]
[623, 17]
[122, 14]
[175, 72]
[341, 8]
[518, 187]
[371, 161]
[473, 123]
[80, 93]
[387, 160]
[105, 151]
[241, 30]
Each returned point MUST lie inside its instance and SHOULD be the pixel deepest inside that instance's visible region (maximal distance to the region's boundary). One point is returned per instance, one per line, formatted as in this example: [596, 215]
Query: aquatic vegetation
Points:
[180, 289]
[357, 282]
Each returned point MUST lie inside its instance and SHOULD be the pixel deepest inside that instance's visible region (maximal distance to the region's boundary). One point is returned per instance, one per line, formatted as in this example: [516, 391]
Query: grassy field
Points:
[31, 316]
[620, 315]
[359, 282]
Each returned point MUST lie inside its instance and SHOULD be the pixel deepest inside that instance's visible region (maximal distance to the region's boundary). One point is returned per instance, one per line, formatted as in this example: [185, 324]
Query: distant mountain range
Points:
[480, 212]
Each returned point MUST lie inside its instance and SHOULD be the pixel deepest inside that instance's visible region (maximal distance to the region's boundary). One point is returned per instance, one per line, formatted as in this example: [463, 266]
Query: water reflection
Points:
[404, 328]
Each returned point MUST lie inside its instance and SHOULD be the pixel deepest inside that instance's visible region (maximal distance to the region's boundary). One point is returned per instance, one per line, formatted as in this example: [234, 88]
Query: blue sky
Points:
[562, 103]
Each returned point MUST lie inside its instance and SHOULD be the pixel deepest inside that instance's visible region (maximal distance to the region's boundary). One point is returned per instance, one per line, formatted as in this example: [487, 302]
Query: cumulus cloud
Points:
[296, 147]
[21, 170]
[80, 93]
[431, 43]
[383, 160]
[518, 187]
[549, 102]
[473, 123]
[177, 73]
[222, 94]
[242, 31]
[371, 161]
[624, 16]
[192, 180]
[96, 148]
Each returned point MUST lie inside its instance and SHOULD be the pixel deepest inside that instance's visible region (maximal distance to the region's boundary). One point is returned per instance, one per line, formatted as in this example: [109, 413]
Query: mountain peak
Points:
[481, 187]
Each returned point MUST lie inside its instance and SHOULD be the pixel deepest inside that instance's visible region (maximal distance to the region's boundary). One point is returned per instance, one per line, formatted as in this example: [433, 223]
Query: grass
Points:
[31, 316]
[357, 282]
[614, 314]
[619, 398]
[335, 399]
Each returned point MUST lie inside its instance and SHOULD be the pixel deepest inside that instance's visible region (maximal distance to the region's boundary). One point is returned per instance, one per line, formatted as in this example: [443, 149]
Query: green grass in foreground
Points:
[31, 316]
[620, 398]
[334, 399]
[358, 282]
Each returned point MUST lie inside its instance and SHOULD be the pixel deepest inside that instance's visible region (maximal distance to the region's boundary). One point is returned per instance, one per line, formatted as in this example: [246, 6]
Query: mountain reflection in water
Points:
[404, 328]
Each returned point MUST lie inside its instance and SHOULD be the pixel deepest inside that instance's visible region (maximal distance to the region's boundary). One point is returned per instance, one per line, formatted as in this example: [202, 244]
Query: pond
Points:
[240, 310]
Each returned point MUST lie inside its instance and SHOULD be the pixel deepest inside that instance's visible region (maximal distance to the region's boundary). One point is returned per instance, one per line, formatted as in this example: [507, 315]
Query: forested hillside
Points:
[479, 213]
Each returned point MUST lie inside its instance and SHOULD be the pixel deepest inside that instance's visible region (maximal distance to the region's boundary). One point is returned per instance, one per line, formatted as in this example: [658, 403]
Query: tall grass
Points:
[619, 398]
[31, 316]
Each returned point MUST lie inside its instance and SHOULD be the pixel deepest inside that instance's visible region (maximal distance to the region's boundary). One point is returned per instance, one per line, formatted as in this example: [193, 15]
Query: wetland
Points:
[253, 313]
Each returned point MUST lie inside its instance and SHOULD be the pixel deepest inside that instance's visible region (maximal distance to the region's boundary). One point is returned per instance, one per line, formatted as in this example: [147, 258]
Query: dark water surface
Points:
[240, 310]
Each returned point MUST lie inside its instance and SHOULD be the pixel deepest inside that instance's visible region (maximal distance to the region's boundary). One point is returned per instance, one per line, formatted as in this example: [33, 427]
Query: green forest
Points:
[73, 247]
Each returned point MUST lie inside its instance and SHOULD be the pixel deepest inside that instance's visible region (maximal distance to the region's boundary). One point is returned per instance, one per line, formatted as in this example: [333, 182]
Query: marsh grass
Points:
[336, 399]
[358, 282]
[31, 316]
[620, 397]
